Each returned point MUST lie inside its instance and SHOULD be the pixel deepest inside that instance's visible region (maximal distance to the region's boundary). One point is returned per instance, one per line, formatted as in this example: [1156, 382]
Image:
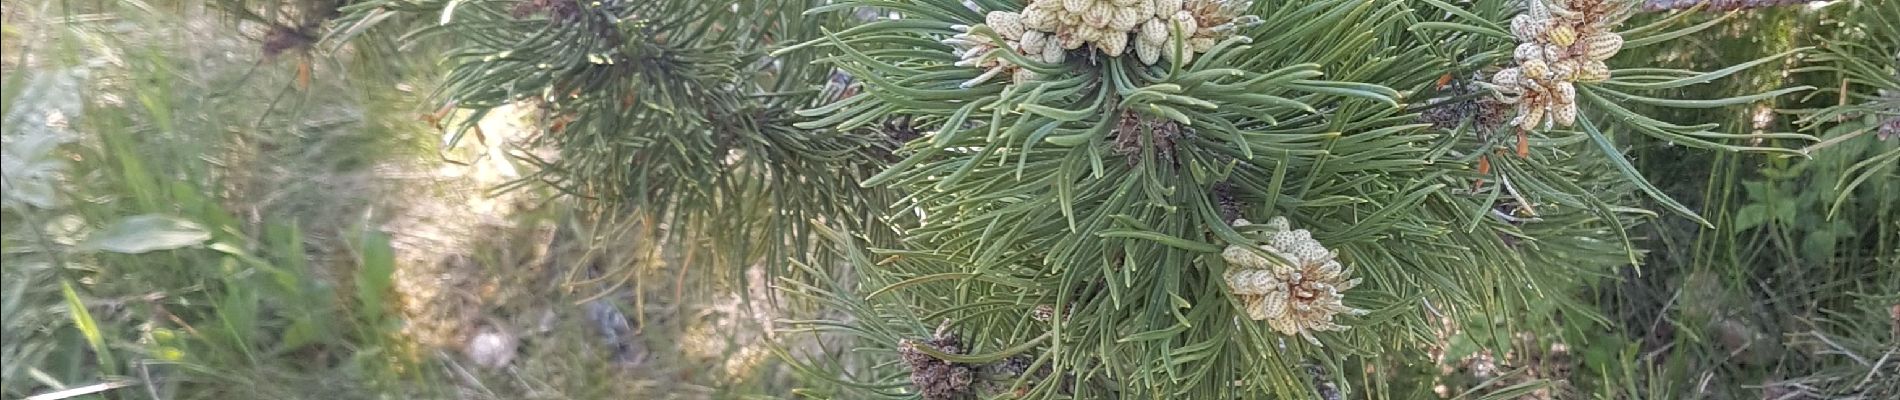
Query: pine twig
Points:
[1717, 5]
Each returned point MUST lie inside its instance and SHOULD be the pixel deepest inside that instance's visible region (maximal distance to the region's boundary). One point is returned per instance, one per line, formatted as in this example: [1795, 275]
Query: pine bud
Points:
[1113, 43]
[1564, 93]
[1295, 297]
[1099, 14]
[1593, 71]
[1559, 45]
[1329, 270]
[1526, 28]
[1201, 44]
[1154, 32]
[1039, 19]
[1253, 282]
[1187, 23]
[1534, 69]
[1278, 224]
[1509, 78]
[1289, 239]
[1553, 52]
[1166, 8]
[1283, 322]
[1069, 38]
[1602, 45]
[1007, 24]
[1561, 35]
[1126, 19]
[1032, 42]
[1022, 75]
[1240, 257]
[1564, 70]
[1187, 56]
[1267, 306]
[1088, 33]
[1528, 116]
[1537, 10]
[1527, 52]
[1076, 6]
[1565, 113]
[1053, 52]
[1149, 53]
[1536, 87]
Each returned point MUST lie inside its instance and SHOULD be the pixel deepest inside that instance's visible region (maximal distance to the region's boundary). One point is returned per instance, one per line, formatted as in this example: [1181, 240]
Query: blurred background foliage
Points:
[1785, 296]
[210, 200]
[203, 204]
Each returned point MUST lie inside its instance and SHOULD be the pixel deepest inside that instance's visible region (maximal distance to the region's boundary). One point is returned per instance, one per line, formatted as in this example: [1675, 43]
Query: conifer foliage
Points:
[1079, 214]
[1076, 174]
[669, 109]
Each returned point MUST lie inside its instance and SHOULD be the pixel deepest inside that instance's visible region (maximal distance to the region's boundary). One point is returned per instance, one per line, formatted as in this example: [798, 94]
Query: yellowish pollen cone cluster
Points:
[1559, 46]
[1297, 296]
[1047, 29]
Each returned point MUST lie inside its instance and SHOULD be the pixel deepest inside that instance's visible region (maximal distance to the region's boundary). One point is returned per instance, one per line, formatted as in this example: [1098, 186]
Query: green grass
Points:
[1736, 310]
[152, 258]
[207, 226]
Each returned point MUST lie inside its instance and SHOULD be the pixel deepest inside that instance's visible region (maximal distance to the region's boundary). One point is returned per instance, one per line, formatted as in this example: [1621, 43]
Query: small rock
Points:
[493, 347]
[1895, 313]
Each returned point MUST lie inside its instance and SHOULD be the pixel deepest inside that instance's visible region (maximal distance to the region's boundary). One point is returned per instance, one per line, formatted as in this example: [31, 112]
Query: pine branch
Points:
[1076, 175]
[1718, 5]
[668, 109]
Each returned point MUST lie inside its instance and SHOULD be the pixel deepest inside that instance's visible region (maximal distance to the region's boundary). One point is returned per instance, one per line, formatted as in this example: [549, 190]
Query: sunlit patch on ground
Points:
[444, 211]
[730, 332]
